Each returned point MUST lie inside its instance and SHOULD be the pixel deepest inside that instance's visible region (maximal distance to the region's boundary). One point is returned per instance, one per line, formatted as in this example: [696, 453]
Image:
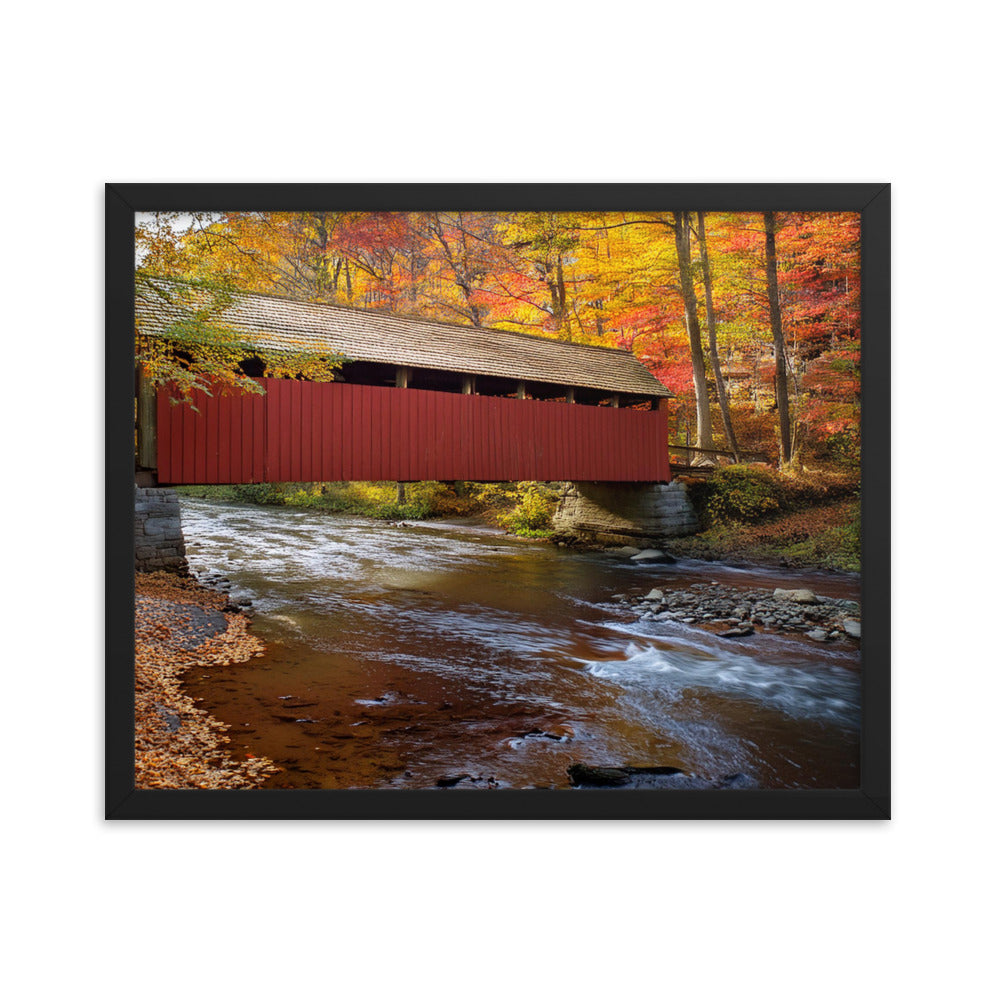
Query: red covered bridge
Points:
[417, 400]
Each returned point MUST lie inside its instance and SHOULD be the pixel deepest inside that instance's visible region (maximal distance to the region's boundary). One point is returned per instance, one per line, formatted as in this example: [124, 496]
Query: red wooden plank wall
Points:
[333, 432]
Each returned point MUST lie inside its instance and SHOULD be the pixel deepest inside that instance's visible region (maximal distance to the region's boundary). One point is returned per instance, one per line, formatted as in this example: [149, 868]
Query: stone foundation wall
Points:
[159, 542]
[625, 513]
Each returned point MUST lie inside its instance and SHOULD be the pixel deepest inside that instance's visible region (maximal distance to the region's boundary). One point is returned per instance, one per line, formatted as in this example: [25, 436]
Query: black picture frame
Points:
[869, 801]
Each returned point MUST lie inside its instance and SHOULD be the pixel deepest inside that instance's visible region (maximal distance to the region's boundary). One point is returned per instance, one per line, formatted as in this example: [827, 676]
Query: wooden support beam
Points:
[403, 376]
[570, 395]
[615, 401]
[146, 421]
[521, 391]
[468, 385]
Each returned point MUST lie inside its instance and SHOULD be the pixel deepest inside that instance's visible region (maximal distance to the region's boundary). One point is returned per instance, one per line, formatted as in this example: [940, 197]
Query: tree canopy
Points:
[688, 293]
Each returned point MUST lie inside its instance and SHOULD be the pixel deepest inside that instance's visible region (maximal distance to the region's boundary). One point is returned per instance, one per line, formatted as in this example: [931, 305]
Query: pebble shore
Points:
[735, 613]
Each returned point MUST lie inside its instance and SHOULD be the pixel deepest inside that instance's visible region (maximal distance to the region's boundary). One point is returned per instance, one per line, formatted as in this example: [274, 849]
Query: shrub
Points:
[531, 517]
[841, 449]
[257, 493]
[743, 494]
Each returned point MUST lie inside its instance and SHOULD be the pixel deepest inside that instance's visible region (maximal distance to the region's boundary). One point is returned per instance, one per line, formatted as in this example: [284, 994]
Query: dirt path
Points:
[181, 626]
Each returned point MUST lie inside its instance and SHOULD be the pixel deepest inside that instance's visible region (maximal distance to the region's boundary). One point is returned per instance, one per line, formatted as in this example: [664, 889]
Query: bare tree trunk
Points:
[713, 347]
[682, 240]
[780, 375]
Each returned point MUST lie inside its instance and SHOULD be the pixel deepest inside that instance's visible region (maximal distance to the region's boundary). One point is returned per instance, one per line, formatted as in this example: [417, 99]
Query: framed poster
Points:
[497, 501]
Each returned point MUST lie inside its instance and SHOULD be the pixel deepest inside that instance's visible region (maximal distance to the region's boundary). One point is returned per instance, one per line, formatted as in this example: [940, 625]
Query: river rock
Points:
[852, 627]
[737, 781]
[652, 555]
[626, 550]
[613, 777]
[654, 595]
[597, 777]
[451, 780]
[820, 635]
[738, 632]
[801, 596]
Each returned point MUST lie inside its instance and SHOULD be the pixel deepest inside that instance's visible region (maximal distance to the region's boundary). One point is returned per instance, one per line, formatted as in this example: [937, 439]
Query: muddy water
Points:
[401, 656]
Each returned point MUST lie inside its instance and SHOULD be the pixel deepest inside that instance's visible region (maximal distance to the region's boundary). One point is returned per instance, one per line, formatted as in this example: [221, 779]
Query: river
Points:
[401, 656]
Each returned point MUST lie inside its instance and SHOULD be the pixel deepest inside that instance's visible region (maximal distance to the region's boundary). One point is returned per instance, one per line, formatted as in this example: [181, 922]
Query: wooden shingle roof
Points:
[369, 335]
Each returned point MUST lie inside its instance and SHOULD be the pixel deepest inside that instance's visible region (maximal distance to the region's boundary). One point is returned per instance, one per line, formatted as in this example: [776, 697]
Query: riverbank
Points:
[523, 509]
[822, 536]
[181, 626]
[749, 515]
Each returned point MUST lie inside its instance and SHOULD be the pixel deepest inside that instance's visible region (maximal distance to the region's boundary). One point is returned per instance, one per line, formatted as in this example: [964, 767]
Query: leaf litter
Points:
[180, 625]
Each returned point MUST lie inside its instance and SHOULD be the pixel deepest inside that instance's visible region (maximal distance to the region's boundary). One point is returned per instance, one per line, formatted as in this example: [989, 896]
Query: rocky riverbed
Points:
[734, 613]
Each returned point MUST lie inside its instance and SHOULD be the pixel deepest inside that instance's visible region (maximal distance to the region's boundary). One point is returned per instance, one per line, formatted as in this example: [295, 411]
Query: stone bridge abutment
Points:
[159, 541]
[625, 513]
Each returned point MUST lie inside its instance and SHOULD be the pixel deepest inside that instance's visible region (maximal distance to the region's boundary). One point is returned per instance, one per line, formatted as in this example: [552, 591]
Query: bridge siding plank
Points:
[367, 431]
[290, 425]
[340, 433]
[302, 442]
[224, 445]
[237, 429]
[308, 432]
[189, 458]
[213, 456]
[259, 432]
[327, 424]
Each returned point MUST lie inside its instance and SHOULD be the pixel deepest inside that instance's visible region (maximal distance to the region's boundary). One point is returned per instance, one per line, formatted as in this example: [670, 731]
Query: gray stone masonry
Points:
[623, 513]
[159, 541]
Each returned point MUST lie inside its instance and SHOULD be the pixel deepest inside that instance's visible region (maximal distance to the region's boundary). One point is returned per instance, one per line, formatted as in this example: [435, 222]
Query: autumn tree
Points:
[780, 361]
[713, 346]
[195, 348]
[682, 239]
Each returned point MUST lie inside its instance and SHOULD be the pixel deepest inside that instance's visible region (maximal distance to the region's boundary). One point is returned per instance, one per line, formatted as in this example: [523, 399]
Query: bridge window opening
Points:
[441, 380]
[637, 403]
[369, 373]
[435, 380]
[253, 367]
[593, 397]
[488, 385]
[546, 390]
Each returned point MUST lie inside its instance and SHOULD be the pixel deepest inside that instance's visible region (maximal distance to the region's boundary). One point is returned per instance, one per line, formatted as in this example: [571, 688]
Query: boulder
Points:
[738, 632]
[801, 596]
[613, 777]
[597, 777]
[652, 555]
[451, 780]
[820, 635]
[852, 627]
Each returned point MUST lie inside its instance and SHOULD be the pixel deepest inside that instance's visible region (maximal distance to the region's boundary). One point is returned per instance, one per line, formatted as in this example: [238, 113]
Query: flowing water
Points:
[402, 655]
